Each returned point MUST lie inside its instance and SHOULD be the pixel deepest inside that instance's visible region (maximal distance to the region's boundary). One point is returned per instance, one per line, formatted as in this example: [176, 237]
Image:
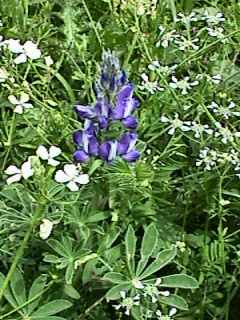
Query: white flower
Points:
[3, 74]
[186, 44]
[29, 50]
[45, 229]
[208, 158]
[156, 66]
[44, 154]
[21, 103]
[48, 61]
[150, 86]
[171, 313]
[166, 38]
[127, 302]
[137, 283]
[213, 19]
[225, 134]
[175, 124]
[14, 45]
[217, 33]
[186, 19]
[199, 129]
[181, 246]
[184, 85]
[216, 79]
[226, 112]
[72, 176]
[17, 174]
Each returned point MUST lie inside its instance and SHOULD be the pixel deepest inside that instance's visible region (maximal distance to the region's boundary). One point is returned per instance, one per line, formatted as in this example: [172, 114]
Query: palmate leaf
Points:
[149, 242]
[163, 258]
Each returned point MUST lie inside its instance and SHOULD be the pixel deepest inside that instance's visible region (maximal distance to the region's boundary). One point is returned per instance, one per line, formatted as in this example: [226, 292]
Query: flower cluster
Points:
[209, 159]
[28, 50]
[111, 114]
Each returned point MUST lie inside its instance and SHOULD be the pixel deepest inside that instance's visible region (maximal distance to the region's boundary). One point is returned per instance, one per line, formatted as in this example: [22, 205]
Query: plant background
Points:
[187, 203]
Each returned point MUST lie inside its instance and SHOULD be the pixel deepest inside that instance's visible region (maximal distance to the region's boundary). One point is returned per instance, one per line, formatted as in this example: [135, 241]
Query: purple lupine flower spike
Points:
[114, 103]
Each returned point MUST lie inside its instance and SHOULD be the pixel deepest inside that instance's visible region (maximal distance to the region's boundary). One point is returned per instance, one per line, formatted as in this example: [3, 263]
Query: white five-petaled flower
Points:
[208, 158]
[166, 38]
[187, 44]
[226, 112]
[72, 176]
[127, 302]
[225, 134]
[20, 104]
[44, 154]
[150, 86]
[184, 85]
[18, 173]
[199, 129]
[175, 124]
[171, 313]
[45, 229]
[213, 19]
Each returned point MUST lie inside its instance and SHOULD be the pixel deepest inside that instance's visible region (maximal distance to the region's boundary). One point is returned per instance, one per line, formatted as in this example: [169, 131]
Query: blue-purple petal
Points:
[80, 156]
[131, 156]
[104, 150]
[130, 122]
[77, 137]
[85, 112]
[93, 146]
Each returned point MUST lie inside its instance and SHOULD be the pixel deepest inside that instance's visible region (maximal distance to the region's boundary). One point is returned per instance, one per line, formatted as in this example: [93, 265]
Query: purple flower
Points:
[126, 146]
[125, 106]
[85, 112]
[115, 103]
[108, 150]
[87, 145]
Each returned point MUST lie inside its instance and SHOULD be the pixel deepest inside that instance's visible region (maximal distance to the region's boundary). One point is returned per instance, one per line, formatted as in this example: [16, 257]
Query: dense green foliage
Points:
[137, 240]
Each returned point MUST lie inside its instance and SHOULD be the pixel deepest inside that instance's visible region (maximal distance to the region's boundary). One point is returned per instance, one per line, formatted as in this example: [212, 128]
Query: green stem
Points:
[20, 251]
[92, 22]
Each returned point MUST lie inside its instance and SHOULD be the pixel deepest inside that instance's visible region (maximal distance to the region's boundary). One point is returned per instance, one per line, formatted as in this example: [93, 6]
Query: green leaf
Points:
[98, 217]
[47, 318]
[114, 277]
[149, 242]
[130, 246]
[175, 301]
[58, 247]
[94, 166]
[179, 281]
[18, 287]
[114, 293]
[36, 288]
[69, 273]
[52, 308]
[164, 257]
[7, 294]
[71, 292]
